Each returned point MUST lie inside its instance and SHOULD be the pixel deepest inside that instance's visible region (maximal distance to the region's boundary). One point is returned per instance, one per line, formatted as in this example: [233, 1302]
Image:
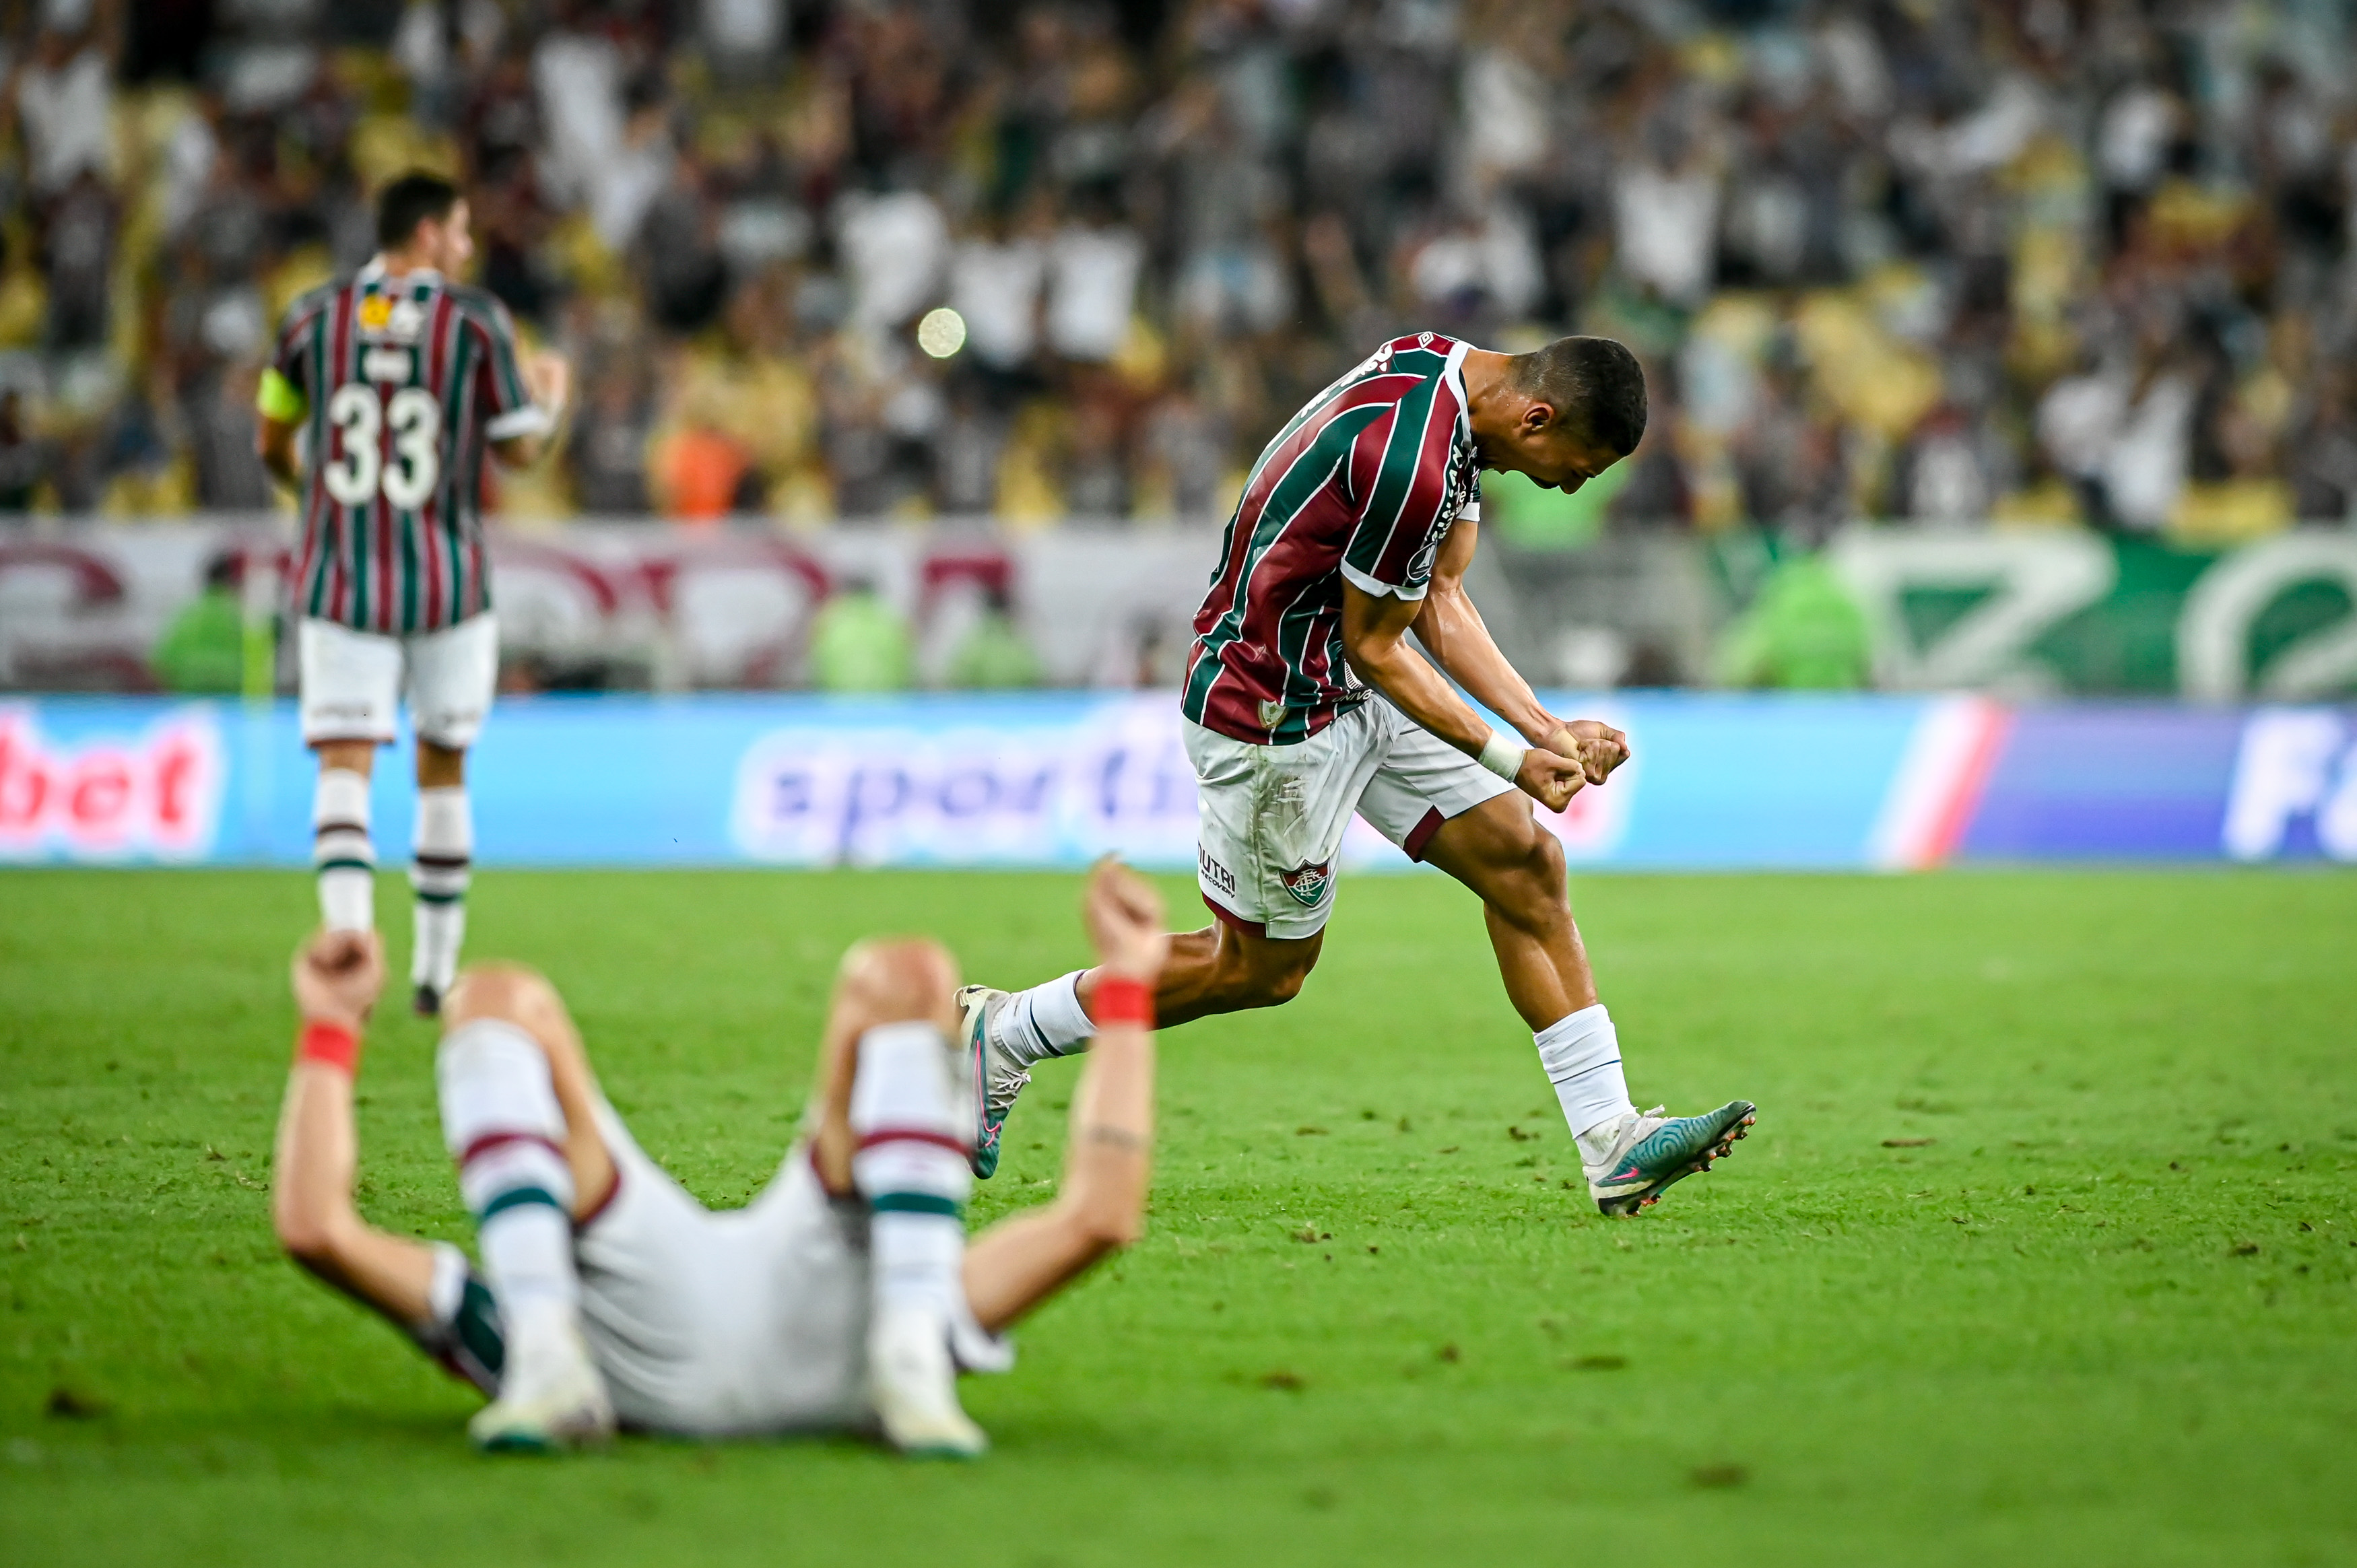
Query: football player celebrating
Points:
[843, 1297]
[1303, 701]
[397, 379]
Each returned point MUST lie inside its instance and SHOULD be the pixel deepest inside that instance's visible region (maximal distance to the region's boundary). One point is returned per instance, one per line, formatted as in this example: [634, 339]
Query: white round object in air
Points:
[942, 333]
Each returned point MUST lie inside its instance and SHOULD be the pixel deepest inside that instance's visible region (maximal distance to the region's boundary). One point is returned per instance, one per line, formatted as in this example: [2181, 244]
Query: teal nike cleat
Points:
[1651, 1152]
[996, 1080]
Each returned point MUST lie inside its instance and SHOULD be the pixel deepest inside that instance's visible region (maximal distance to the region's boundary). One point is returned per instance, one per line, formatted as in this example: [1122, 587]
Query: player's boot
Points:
[426, 1001]
[995, 1079]
[913, 1381]
[551, 1395]
[1651, 1152]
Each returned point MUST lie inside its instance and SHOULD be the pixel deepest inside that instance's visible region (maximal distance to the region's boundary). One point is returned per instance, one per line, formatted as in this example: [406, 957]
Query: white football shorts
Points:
[733, 1322]
[1272, 817]
[352, 679]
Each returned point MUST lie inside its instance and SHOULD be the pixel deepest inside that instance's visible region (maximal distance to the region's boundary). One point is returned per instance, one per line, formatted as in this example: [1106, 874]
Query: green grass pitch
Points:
[2044, 1250]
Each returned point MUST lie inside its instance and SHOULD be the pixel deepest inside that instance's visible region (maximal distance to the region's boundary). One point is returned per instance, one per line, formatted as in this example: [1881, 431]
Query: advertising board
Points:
[1718, 781]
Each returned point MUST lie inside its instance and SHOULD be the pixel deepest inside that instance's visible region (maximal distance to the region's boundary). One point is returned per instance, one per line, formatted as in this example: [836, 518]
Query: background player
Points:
[1303, 701]
[397, 379]
[843, 1295]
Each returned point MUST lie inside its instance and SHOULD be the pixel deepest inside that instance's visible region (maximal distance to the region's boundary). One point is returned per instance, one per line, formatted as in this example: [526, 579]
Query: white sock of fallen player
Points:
[911, 1167]
[503, 1124]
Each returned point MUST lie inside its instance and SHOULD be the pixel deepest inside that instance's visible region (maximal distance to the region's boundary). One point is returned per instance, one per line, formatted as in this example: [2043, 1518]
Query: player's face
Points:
[452, 243]
[1549, 453]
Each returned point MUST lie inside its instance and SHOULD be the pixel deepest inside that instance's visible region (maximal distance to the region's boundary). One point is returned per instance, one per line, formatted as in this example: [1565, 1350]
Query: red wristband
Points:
[329, 1045]
[1121, 1001]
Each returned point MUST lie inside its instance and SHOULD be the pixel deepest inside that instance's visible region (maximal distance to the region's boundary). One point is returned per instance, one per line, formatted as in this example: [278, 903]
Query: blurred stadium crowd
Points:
[2035, 261]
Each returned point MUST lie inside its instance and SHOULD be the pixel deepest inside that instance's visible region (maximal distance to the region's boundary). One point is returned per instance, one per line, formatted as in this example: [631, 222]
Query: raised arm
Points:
[1452, 631]
[1099, 1206]
[337, 977]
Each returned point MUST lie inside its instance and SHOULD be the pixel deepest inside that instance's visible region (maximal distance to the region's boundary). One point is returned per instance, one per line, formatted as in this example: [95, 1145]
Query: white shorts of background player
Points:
[730, 1322]
[352, 681]
[1272, 817]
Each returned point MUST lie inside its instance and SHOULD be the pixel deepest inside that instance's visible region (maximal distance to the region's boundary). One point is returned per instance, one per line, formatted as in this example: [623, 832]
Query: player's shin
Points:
[1581, 1054]
[439, 873]
[340, 851]
[910, 1165]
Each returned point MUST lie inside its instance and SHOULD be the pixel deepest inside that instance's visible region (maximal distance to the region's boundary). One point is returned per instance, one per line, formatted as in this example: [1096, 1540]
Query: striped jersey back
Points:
[404, 380]
[1361, 486]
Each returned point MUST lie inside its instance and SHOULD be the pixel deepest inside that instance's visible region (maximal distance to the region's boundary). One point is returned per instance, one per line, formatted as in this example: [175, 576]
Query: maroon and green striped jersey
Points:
[1361, 487]
[401, 383]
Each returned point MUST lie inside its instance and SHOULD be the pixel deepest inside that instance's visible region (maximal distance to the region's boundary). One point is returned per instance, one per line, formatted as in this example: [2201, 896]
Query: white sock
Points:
[501, 1123]
[910, 1166]
[1045, 1021]
[1582, 1056]
[340, 851]
[439, 873]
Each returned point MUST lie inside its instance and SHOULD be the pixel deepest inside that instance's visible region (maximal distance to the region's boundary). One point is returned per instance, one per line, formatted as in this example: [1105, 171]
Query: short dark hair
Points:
[408, 201]
[1594, 385]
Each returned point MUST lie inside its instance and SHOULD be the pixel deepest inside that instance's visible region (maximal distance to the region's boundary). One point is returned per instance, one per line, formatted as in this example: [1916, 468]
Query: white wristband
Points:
[1502, 756]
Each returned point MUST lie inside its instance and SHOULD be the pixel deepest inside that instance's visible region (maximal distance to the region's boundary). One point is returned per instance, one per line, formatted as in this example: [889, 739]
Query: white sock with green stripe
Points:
[501, 1123]
[911, 1167]
[340, 851]
[439, 872]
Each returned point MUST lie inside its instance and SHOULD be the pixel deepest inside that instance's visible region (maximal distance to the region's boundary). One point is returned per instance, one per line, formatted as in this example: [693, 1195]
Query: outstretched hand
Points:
[1596, 746]
[1126, 920]
[338, 976]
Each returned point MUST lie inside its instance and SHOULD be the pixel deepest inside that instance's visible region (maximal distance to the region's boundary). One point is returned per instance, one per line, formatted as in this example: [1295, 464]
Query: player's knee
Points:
[1534, 888]
[893, 978]
[1546, 864]
[508, 991]
[1276, 983]
[1265, 977]
[1279, 987]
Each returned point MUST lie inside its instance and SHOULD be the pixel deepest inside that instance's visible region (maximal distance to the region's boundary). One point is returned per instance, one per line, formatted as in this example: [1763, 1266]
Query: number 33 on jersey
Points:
[400, 383]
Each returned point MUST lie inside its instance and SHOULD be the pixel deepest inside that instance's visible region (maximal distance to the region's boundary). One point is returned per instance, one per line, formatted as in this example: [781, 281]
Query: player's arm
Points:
[337, 978]
[1099, 1206]
[549, 375]
[1453, 633]
[1374, 635]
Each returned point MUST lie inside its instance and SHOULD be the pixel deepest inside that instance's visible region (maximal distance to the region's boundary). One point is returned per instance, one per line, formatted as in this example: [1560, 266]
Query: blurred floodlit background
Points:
[1938, 300]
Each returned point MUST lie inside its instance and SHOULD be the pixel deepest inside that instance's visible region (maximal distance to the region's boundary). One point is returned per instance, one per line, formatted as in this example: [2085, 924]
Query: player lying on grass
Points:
[1305, 701]
[843, 1297]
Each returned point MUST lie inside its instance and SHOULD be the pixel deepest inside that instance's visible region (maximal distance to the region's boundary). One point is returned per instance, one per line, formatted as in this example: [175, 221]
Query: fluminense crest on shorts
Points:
[1307, 884]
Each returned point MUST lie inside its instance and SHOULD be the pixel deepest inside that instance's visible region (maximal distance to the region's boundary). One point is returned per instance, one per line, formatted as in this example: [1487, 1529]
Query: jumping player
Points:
[843, 1297]
[1305, 701]
[398, 379]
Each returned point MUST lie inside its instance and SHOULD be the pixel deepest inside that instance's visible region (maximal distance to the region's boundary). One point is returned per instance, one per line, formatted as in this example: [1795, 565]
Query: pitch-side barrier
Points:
[1719, 782]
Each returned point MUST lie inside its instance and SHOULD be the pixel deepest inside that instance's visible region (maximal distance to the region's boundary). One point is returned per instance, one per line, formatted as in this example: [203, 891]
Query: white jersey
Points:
[735, 1321]
[711, 1323]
